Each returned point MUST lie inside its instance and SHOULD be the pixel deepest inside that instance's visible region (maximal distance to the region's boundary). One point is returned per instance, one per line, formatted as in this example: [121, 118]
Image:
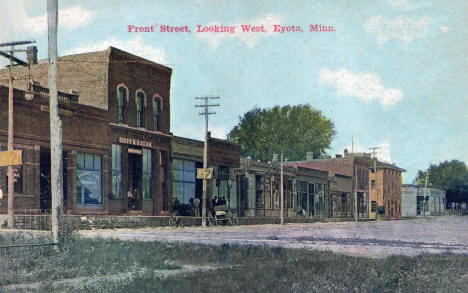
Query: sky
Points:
[392, 74]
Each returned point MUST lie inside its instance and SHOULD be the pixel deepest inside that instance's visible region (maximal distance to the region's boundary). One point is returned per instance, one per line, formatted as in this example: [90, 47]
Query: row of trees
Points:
[452, 175]
[298, 129]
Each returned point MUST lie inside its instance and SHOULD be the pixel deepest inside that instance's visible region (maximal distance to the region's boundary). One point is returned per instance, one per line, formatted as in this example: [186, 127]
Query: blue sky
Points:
[392, 75]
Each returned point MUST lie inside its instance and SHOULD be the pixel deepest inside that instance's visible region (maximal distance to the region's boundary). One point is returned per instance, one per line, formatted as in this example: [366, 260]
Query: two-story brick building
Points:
[116, 134]
[385, 190]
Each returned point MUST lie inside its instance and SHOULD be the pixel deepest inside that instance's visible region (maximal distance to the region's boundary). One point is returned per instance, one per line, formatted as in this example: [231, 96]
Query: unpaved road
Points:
[374, 239]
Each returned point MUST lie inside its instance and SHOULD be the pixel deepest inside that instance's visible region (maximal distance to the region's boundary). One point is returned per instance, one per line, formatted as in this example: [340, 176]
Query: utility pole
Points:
[55, 122]
[425, 194]
[354, 181]
[11, 184]
[206, 112]
[374, 158]
[10, 172]
[281, 191]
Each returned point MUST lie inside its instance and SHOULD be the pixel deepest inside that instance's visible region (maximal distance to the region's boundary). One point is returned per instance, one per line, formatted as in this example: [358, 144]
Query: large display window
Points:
[183, 174]
[88, 179]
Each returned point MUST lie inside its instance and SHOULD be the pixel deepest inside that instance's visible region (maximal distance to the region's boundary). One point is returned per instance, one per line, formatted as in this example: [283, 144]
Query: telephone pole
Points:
[56, 170]
[425, 194]
[374, 158]
[281, 191]
[206, 112]
[10, 171]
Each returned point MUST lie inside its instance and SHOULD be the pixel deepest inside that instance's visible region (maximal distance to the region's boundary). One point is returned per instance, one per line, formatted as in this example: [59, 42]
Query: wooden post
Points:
[205, 164]
[11, 185]
[281, 192]
[205, 113]
[55, 123]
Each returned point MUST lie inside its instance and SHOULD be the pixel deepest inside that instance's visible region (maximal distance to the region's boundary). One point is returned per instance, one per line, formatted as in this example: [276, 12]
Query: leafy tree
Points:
[294, 130]
[452, 175]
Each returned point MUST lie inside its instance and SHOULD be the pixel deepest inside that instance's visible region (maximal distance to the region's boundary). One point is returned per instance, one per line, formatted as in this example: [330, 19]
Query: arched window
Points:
[140, 103]
[122, 104]
[156, 110]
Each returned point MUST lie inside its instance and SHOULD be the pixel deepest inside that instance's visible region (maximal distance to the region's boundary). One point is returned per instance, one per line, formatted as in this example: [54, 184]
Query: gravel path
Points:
[372, 239]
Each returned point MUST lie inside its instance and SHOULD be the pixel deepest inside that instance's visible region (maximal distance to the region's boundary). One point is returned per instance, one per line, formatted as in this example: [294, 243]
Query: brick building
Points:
[385, 190]
[116, 134]
[349, 183]
[187, 156]
[258, 191]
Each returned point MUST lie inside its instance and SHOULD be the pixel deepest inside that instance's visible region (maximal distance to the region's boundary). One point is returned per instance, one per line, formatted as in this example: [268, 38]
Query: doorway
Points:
[135, 174]
[45, 179]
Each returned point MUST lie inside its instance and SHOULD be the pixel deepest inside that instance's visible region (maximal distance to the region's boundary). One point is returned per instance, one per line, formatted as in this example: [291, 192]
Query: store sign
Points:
[136, 142]
[11, 158]
[204, 173]
[134, 151]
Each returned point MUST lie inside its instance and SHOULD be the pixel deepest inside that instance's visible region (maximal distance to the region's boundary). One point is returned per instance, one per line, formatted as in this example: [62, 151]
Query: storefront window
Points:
[183, 173]
[319, 195]
[311, 199]
[17, 179]
[116, 171]
[88, 179]
[301, 195]
[147, 174]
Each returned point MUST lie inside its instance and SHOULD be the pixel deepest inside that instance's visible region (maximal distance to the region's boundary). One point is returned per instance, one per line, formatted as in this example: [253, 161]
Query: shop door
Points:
[135, 174]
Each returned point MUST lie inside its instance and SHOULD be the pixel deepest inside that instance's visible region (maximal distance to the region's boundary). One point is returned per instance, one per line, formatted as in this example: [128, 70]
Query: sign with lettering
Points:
[11, 158]
[136, 142]
[134, 151]
[204, 173]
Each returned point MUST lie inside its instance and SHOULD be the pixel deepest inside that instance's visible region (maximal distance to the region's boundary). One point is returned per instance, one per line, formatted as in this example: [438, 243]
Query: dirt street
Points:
[374, 239]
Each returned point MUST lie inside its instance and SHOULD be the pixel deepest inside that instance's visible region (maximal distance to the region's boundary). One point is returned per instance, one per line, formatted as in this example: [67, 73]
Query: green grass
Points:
[242, 269]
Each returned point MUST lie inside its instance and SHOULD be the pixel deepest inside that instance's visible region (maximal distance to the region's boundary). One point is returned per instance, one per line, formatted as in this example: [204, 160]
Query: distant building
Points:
[341, 190]
[385, 190]
[259, 190]
[349, 184]
[418, 200]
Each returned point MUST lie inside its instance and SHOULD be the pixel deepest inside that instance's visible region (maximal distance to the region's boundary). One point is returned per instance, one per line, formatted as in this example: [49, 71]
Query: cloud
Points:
[218, 132]
[403, 28]
[135, 46]
[68, 18]
[382, 153]
[444, 29]
[401, 5]
[250, 39]
[364, 86]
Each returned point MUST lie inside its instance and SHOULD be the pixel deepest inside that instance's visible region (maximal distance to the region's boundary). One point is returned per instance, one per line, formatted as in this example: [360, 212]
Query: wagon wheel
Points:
[234, 218]
[210, 220]
[180, 223]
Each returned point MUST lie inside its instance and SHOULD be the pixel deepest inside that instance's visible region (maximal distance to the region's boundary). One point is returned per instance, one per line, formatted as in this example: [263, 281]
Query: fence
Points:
[456, 212]
[32, 219]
